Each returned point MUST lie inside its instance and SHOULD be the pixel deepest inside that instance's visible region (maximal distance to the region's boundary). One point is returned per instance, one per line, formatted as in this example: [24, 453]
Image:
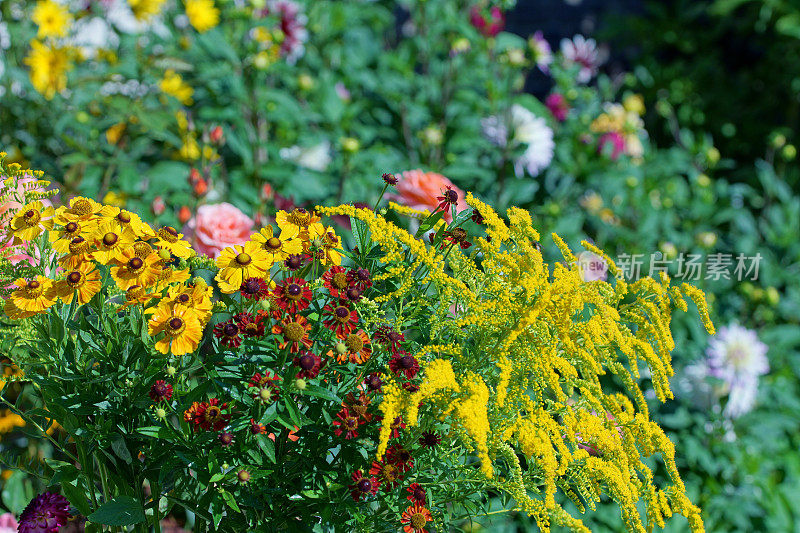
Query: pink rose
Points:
[8, 524]
[418, 189]
[218, 226]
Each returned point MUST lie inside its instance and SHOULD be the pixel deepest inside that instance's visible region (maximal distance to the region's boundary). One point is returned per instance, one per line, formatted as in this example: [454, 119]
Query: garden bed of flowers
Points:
[326, 265]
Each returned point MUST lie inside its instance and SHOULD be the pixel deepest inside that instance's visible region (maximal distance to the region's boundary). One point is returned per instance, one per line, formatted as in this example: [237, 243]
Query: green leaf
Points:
[321, 392]
[267, 446]
[120, 511]
[119, 447]
[76, 496]
[428, 223]
[230, 500]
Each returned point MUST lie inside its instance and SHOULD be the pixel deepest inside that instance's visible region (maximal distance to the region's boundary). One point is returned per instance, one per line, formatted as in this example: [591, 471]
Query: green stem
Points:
[380, 198]
[89, 469]
[155, 490]
[103, 478]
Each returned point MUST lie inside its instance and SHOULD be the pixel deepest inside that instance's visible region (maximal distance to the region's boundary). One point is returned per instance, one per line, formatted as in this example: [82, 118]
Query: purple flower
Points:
[45, 513]
[583, 52]
[542, 54]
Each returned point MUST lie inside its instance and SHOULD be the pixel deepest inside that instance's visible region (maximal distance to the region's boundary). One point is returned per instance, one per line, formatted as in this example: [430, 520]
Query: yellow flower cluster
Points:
[521, 361]
[202, 14]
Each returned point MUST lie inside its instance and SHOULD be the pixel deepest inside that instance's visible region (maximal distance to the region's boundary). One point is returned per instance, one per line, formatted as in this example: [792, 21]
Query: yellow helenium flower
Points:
[195, 296]
[49, 65]
[324, 243]
[169, 239]
[239, 263]
[172, 83]
[202, 14]
[111, 241]
[135, 269]
[126, 219]
[277, 248]
[181, 328]
[33, 296]
[30, 221]
[80, 209]
[84, 282]
[62, 237]
[52, 18]
[296, 223]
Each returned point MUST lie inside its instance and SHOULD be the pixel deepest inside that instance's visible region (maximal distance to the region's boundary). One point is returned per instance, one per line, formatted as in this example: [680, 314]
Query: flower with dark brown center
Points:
[110, 239]
[124, 217]
[404, 363]
[228, 334]
[430, 439]
[255, 288]
[353, 294]
[74, 279]
[273, 243]
[373, 382]
[71, 228]
[135, 263]
[175, 327]
[78, 245]
[182, 298]
[243, 476]
[243, 259]
[168, 233]
[225, 439]
[293, 262]
[33, 285]
[346, 424]
[306, 362]
[161, 391]
[293, 295]
[362, 485]
[449, 197]
[416, 493]
[293, 291]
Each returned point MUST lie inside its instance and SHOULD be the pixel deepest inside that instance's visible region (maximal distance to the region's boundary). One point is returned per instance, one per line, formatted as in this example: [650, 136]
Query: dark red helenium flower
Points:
[402, 362]
[255, 288]
[46, 513]
[362, 485]
[161, 391]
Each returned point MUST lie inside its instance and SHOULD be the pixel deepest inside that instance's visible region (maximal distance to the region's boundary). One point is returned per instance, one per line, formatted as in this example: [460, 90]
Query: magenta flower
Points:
[557, 105]
[613, 139]
[488, 26]
[46, 513]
